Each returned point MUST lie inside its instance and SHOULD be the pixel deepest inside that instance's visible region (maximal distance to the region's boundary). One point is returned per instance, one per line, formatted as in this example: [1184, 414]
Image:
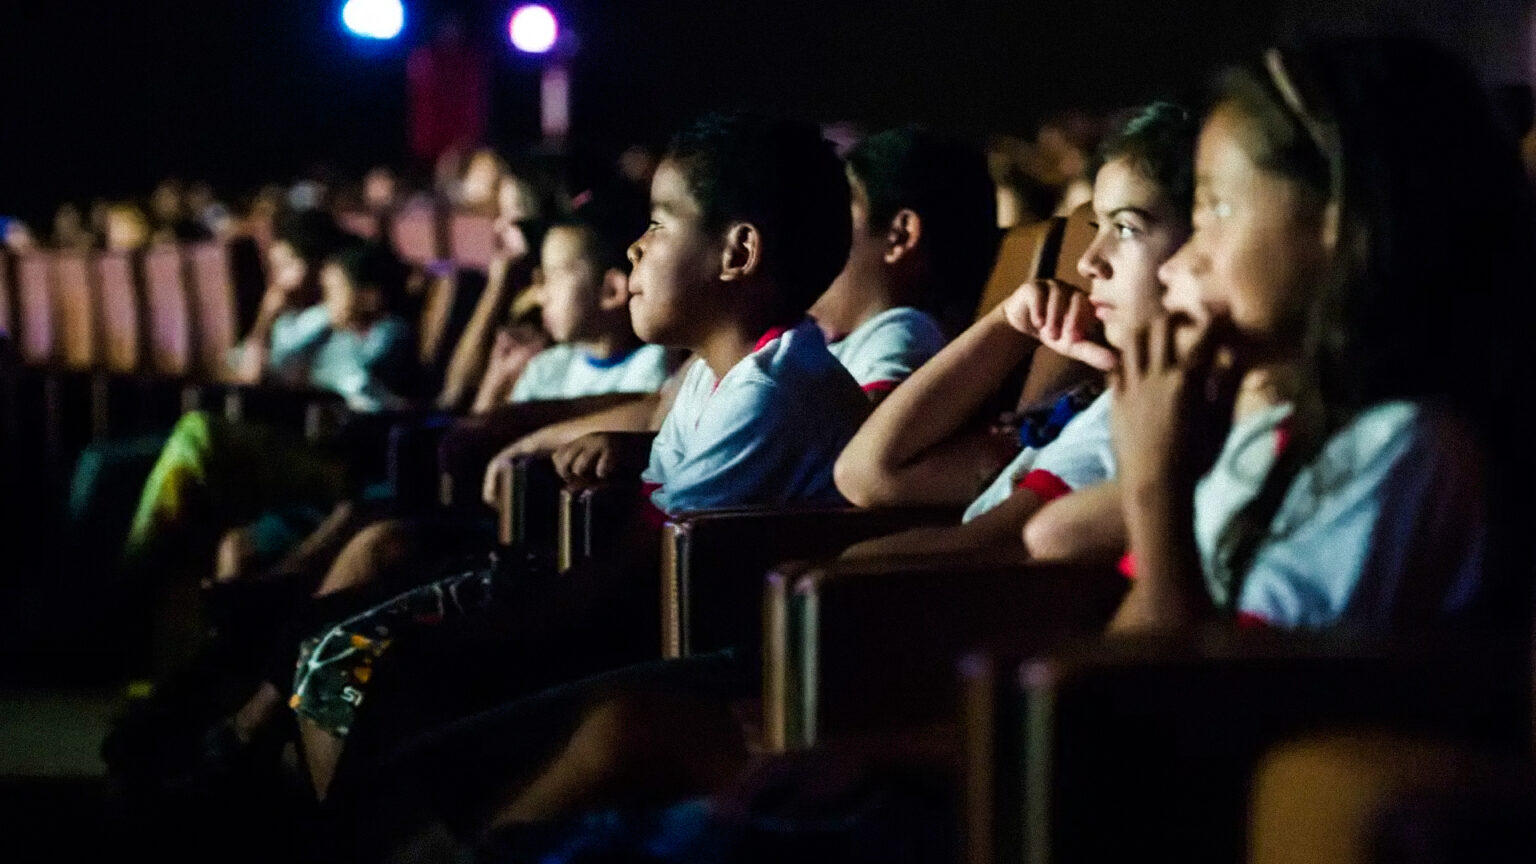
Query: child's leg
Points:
[639, 749]
[213, 474]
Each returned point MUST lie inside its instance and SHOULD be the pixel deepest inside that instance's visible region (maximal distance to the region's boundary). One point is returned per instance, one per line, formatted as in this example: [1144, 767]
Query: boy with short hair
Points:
[924, 240]
[749, 225]
[584, 294]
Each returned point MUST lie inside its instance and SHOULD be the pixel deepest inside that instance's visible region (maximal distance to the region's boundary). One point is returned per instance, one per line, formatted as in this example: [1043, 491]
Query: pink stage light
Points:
[533, 29]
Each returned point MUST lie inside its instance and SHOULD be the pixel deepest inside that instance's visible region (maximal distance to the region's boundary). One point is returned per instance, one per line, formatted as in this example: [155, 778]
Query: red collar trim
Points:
[772, 334]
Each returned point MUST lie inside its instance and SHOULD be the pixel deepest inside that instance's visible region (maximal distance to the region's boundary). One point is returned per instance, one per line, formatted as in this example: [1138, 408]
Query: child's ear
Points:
[743, 252]
[906, 231]
[613, 295]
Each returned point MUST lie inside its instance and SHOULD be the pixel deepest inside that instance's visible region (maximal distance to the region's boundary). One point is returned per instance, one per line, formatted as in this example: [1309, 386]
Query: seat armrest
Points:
[854, 647]
[713, 563]
[527, 495]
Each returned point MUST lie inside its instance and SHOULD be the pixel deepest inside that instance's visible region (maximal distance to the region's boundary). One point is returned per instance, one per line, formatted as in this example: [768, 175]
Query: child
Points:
[923, 211]
[584, 294]
[213, 474]
[915, 450]
[1360, 259]
[749, 224]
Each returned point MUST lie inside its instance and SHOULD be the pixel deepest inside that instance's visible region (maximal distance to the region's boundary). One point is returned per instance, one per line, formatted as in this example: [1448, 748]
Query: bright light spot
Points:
[533, 29]
[374, 19]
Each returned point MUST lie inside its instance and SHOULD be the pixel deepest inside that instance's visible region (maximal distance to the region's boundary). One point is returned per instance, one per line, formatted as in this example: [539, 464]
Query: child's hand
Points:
[513, 349]
[603, 456]
[1061, 317]
[1173, 400]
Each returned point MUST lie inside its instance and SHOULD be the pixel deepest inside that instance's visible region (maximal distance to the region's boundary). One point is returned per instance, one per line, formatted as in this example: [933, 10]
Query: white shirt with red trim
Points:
[566, 372]
[1082, 455]
[1386, 524]
[768, 432]
[883, 351]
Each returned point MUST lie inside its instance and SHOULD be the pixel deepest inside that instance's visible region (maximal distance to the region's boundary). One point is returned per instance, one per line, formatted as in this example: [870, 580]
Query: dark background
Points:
[104, 98]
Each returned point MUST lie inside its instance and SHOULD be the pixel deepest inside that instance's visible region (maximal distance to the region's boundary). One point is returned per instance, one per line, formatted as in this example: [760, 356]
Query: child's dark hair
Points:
[784, 178]
[1159, 142]
[1431, 279]
[374, 266]
[607, 226]
[313, 235]
[947, 184]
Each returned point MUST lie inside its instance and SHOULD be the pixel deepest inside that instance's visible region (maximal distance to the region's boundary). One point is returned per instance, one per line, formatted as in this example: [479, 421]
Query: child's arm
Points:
[912, 450]
[1085, 527]
[470, 355]
[997, 528]
[632, 416]
[1166, 432]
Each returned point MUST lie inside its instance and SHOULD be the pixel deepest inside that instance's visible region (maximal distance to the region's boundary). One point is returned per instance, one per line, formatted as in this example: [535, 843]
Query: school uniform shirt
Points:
[767, 432]
[883, 351]
[366, 369]
[1082, 455]
[1387, 521]
[566, 372]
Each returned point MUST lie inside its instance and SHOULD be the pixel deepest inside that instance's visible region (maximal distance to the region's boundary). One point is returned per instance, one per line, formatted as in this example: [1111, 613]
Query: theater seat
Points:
[1146, 746]
[855, 648]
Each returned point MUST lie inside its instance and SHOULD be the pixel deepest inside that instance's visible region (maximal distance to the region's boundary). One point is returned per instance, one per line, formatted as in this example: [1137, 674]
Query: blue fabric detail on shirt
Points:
[1040, 427]
[608, 362]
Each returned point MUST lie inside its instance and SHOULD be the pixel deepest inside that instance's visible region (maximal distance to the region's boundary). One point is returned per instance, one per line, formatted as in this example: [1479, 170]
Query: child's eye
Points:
[1124, 231]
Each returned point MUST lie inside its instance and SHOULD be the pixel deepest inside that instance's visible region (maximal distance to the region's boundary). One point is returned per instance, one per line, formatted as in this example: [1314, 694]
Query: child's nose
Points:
[633, 253]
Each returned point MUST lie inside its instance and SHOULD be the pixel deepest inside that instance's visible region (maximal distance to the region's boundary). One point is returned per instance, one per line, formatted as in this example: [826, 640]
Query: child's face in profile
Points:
[570, 286]
[676, 262]
[1258, 246]
[1136, 230]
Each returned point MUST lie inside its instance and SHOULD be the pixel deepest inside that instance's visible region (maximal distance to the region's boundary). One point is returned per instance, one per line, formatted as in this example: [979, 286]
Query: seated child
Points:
[213, 474]
[916, 447]
[923, 210]
[749, 224]
[1377, 481]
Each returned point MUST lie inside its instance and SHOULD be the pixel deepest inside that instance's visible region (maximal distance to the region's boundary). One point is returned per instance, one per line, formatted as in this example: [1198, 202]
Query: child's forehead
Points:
[670, 189]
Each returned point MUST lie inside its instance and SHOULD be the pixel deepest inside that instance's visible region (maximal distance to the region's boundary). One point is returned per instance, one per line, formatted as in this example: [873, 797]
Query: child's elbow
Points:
[858, 478]
[1048, 537]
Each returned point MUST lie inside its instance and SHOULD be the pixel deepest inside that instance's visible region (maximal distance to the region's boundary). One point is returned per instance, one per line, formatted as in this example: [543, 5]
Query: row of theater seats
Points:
[426, 233]
[1071, 747]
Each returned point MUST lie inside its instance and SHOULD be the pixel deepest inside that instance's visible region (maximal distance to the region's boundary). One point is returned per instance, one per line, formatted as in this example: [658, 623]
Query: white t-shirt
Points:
[361, 367]
[883, 351]
[1082, 455]
[1388, 521]
[566, 372]
[768, 432]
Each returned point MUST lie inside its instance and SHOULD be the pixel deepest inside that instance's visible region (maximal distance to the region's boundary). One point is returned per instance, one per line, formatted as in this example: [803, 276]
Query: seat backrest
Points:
[74, 309]
[414, 232]
[168, 317]
[1146, 747]
[34, 307]
[359, 222]
[1019, 257]
[1049, 372]
[122, 322]
[213, 306]
[472, 241]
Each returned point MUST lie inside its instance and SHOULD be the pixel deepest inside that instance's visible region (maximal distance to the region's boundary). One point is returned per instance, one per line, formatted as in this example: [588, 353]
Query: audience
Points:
[1302, 311]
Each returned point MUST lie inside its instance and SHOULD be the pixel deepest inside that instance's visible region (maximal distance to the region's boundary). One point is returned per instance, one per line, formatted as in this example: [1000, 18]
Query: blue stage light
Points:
[533, 29]
[374, 19]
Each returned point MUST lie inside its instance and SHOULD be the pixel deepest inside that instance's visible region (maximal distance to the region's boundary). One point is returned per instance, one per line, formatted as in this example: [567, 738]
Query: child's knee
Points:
[375, 548]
